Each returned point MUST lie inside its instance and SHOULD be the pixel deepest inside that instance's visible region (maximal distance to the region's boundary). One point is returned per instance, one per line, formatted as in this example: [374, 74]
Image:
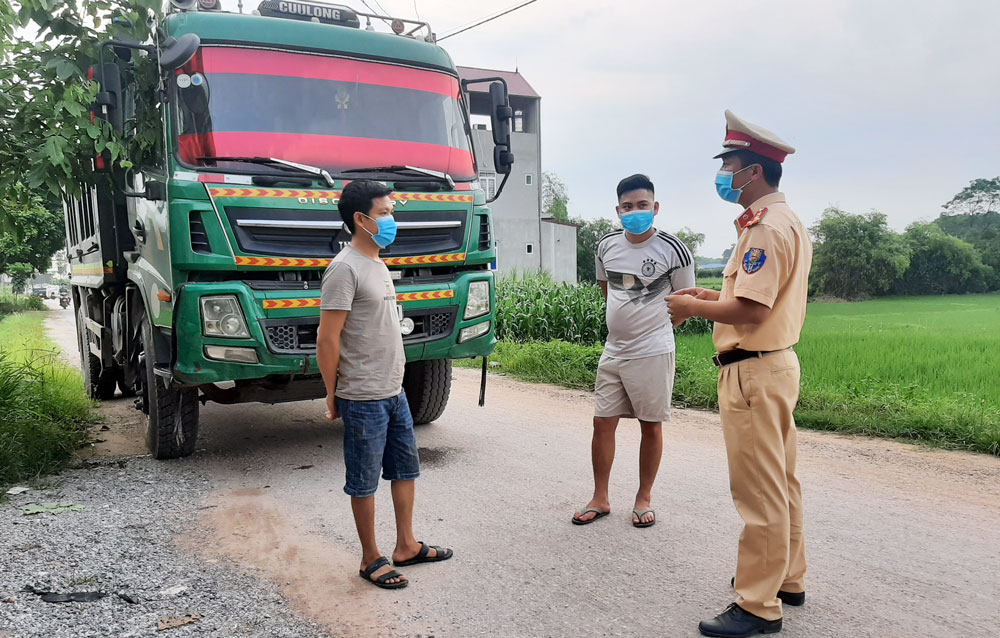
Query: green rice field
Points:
[916, 367]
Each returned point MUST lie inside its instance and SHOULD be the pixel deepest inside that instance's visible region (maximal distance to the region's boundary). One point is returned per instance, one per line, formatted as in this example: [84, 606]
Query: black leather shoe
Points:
[735, 622]
[795, 599]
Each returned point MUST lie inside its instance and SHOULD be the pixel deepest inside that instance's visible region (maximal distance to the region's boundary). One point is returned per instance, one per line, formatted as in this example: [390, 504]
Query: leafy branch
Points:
[49, 140]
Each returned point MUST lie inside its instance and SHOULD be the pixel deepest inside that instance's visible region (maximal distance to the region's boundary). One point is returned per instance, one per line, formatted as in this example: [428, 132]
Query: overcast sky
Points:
[892, 105]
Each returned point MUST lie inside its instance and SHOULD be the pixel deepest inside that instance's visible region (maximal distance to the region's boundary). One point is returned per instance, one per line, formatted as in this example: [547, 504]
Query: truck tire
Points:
[98, 382]
[427, 385]
[171, 413]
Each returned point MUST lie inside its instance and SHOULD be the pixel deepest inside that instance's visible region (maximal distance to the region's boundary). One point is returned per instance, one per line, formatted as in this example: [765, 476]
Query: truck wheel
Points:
[171, 414]
[99, 383]
[427, 385]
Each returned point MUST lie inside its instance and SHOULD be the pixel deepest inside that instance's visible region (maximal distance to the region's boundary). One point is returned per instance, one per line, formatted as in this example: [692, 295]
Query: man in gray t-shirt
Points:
[637, 267]
[371, 345]
[359, 351]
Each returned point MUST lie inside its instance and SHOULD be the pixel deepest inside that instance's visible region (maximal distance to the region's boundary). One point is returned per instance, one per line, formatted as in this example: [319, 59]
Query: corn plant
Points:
[532, 307]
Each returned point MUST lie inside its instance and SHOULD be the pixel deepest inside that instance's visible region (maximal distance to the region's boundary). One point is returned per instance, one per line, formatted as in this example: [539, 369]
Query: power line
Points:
[485, 20]
[374, 11]
[381, 8]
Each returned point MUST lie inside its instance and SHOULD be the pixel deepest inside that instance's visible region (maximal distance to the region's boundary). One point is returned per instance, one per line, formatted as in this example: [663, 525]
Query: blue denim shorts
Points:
[378, 436]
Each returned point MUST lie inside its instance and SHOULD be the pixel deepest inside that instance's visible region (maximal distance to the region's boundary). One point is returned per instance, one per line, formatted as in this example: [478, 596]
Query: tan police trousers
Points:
[756, 400]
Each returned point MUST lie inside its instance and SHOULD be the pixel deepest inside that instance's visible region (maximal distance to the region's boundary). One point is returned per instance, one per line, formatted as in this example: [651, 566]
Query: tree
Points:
[941, 264]
[40, 233]
[19, 274]
[727, 253]
[856, 256]
[49, 141]
[691, 239]
[973, 215]
[979, 197]
[555, 199]
[587, 236]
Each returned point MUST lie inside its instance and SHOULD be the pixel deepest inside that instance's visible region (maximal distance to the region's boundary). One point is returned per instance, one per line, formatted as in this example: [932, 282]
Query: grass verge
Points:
[575, 366]
[45, 411]
[855, 380]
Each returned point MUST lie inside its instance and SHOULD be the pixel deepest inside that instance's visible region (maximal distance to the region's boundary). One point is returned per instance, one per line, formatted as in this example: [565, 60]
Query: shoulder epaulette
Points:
[749, 218]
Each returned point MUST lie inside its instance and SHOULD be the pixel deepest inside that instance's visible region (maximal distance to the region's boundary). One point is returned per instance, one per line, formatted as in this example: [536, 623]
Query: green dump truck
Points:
[196, 275]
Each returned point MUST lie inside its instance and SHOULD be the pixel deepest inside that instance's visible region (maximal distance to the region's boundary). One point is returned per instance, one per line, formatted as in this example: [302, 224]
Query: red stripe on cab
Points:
[318, 67]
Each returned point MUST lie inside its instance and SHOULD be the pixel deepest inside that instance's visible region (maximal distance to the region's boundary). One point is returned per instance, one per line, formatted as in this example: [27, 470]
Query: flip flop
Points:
[422, 557]
[640, 513]
[599, 514]
[381, 580]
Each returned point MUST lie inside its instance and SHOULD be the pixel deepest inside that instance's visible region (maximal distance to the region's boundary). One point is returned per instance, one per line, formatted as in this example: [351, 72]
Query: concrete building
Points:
[526, 242]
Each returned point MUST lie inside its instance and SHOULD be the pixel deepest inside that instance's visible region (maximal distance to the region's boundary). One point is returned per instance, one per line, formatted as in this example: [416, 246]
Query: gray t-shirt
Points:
[371, 345]
[639, 276]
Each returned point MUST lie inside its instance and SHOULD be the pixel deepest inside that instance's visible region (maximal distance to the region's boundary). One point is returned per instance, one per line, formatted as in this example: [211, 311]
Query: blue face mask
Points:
[724, 185]
[638, 221]
[386, 230]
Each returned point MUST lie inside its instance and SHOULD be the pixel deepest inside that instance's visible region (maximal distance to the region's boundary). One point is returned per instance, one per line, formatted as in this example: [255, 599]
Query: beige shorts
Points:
[636, 388]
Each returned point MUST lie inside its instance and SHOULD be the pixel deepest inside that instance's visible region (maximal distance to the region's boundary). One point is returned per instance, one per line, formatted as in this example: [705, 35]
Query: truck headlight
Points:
[221, 317]
[406, 326]
[472, 332]
[478, 303]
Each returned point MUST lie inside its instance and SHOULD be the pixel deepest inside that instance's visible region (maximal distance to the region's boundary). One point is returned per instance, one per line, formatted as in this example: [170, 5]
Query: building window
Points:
[527, 179]
[529, 248]
[488, 180]
[518, 121]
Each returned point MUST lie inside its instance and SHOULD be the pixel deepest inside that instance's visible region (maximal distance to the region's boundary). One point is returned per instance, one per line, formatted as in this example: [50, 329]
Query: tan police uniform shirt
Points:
[770, 265]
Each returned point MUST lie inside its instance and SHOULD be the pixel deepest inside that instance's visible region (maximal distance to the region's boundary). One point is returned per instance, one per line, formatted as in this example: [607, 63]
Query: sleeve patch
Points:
[754, 260]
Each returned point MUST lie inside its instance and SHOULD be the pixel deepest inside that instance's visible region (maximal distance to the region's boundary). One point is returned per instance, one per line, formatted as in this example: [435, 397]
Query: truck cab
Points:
[196, 272]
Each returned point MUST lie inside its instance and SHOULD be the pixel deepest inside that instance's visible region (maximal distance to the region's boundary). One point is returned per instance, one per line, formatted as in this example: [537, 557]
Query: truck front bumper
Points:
[282, 330]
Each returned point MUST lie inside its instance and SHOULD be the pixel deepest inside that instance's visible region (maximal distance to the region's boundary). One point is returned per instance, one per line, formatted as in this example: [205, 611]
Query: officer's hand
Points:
[331, 408]
[700, 293]
[681, 308]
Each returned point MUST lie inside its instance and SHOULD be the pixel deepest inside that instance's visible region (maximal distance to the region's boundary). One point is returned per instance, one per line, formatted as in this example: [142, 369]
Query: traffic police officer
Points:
[758, 318]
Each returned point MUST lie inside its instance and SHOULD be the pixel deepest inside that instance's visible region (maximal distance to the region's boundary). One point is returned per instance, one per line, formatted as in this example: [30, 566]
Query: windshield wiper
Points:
[274, 161]
[445, 177]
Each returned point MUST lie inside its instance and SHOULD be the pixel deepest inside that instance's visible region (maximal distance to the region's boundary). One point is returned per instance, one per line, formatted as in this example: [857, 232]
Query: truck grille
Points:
[310, 233]
[298, 335]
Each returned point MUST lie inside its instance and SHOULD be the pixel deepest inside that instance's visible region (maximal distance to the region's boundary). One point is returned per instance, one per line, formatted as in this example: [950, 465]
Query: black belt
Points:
[737, 355]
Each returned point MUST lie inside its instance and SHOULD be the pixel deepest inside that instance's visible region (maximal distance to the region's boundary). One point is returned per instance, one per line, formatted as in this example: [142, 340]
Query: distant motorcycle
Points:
[64, 302]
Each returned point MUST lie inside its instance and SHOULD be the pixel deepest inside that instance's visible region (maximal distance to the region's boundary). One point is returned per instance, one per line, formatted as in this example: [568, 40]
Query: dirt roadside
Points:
[902, 540]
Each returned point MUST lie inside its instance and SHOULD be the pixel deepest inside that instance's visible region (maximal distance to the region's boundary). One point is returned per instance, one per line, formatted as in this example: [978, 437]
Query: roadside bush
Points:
[535, 308]
[45, 412]
[9, 304]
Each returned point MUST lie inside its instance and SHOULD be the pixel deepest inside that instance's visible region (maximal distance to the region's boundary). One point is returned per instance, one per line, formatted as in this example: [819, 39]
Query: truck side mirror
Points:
[108, 103]
[176, 52]
[173, 54]
[501, 116]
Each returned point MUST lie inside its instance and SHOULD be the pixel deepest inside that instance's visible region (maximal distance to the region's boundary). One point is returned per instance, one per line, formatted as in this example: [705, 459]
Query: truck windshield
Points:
[325, 111]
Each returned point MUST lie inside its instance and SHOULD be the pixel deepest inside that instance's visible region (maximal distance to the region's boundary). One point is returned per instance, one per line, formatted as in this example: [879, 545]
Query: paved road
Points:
[902, 541]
